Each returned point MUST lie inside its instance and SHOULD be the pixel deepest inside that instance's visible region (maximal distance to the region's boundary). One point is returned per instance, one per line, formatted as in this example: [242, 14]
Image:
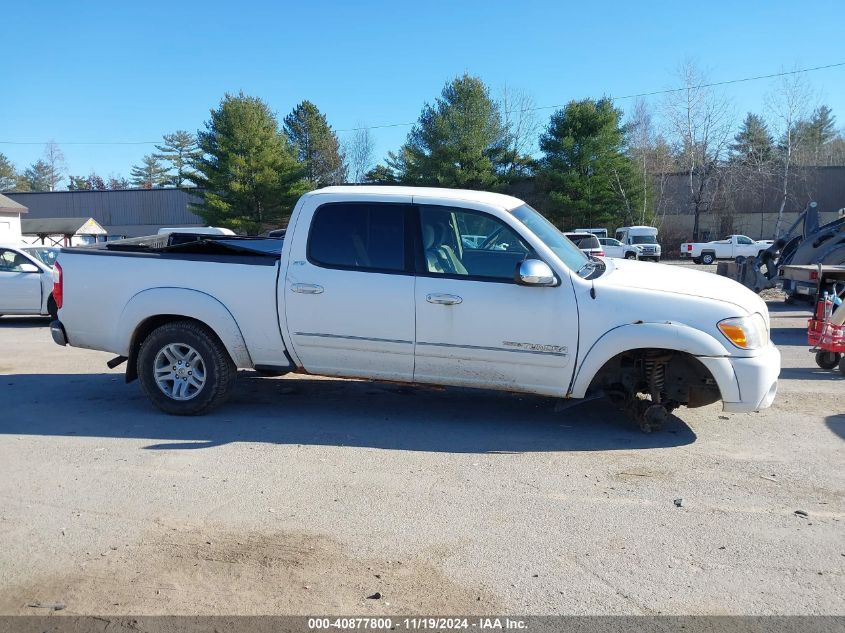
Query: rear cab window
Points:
[366, 236]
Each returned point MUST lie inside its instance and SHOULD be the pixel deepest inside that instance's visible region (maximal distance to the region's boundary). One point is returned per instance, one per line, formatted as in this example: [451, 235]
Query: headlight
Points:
[746, 332]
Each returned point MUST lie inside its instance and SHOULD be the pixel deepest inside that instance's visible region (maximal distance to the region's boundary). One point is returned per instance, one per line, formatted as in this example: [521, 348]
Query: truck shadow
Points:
[20, 322]
[312, 411]
[836, 423]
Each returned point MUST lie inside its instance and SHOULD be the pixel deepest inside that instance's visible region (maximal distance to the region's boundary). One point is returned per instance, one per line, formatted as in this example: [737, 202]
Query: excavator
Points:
[803, 243]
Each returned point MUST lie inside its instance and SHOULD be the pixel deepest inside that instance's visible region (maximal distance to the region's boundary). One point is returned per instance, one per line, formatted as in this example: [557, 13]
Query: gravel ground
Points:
[306, 495]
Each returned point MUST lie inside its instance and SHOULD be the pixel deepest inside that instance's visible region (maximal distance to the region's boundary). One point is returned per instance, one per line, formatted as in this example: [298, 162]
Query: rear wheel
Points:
[708, 258]
[184, 369]
[828, 360]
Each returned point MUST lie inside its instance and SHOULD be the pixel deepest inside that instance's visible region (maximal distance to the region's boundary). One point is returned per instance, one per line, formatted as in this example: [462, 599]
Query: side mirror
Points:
[29, 268]
[533, 272]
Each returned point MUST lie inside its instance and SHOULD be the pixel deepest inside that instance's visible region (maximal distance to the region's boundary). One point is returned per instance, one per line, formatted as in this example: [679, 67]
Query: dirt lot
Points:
[305, 496]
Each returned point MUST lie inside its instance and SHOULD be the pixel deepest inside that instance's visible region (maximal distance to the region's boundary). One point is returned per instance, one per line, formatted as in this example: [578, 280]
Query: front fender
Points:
[187, 303]
[668, 335]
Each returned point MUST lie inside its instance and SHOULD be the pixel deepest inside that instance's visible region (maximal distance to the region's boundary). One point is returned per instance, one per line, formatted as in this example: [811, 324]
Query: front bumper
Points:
[757, 379]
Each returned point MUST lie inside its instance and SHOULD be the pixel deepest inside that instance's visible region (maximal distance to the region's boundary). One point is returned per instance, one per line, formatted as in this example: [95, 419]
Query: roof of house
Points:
[62, 226]
[7, 204]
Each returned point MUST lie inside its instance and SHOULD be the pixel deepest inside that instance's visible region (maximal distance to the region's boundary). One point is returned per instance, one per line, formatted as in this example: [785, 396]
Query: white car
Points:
[26, 279]
[615, 248]
[377, 283]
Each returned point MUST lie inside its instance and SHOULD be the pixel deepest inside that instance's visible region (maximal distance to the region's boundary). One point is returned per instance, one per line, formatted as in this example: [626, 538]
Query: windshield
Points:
[643, 239]
[44, 254]
[551, 237]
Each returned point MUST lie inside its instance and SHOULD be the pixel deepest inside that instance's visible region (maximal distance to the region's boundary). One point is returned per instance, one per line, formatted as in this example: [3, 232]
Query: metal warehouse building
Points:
[123, 212]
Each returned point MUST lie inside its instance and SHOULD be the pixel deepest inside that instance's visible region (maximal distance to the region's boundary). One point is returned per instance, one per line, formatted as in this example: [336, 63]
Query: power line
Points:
[82, 142]
[641, 94]
[534, 109]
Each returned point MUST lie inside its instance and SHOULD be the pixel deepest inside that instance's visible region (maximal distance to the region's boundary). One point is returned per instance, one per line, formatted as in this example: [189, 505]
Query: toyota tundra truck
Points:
[382, 283]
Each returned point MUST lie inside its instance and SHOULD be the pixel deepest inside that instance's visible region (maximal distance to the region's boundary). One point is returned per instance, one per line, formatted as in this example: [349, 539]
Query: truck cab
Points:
[641, 238]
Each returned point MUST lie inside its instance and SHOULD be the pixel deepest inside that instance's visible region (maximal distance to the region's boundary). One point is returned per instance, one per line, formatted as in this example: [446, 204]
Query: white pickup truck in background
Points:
[731, 247]
[379, 283]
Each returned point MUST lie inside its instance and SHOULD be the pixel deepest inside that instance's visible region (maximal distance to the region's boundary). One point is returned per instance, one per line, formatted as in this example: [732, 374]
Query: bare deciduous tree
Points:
[359, 150]
[55, 160]
[653, 162]
[789, 103]
[700, 121]
[519, 118]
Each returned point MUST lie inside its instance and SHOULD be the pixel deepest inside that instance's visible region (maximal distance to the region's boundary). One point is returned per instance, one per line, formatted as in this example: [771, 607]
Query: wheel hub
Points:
[179, 371]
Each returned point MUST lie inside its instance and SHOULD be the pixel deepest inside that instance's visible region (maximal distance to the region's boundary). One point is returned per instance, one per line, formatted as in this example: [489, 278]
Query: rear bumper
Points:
[757, 378]
[57, 331]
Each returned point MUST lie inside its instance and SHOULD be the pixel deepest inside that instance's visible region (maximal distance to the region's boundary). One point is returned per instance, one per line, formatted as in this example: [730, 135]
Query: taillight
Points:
[58, 284]
[600, 254]
[689, 247]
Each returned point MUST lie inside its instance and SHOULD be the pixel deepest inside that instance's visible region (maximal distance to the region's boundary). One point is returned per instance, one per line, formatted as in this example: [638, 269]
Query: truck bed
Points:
[240, 274]
[193, 243]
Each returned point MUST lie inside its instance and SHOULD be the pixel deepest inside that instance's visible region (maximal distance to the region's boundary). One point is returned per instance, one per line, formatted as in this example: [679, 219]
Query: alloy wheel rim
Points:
[179, 371]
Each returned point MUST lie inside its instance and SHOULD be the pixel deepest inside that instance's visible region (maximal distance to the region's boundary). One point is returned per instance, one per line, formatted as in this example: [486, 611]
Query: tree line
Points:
[589, 164]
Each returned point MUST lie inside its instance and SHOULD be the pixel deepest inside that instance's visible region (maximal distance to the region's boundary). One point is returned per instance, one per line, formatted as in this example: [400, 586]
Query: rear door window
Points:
[358, 236]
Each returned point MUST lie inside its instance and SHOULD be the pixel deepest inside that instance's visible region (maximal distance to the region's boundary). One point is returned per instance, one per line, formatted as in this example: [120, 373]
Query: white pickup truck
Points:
[378, 283]
[731, 247]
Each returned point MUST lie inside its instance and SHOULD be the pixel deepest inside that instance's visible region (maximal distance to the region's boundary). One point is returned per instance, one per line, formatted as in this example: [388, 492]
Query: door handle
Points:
[445, 300]
[307, 289]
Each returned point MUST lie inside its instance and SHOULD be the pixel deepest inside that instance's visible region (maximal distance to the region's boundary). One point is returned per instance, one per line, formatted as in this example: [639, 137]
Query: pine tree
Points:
[316, 145]
[150, 173]
[8, 174]
[584, 171]
[248, 172]
[459, 141]
[179, 151]
[823, 125]
[37, 176]
[754, 145]
[814, 134]
[91, 182]
[78, 183]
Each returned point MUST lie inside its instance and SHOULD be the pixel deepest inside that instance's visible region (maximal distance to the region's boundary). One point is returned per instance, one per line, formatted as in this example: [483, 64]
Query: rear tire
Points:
[707, 259]
[203, 371]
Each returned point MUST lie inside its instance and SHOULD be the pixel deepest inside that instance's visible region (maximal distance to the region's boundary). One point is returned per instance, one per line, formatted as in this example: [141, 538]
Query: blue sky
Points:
[117, 71]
